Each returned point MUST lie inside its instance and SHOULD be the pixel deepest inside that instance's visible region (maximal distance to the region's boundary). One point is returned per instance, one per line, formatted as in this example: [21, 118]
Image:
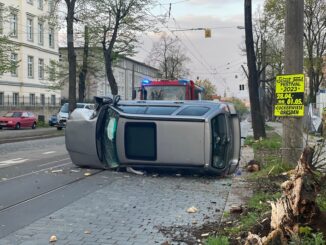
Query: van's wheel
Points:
[59, 128]
[34, 125]
[17, 126]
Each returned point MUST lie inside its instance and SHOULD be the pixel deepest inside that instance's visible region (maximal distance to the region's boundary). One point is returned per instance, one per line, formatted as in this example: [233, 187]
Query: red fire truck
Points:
[170, 90]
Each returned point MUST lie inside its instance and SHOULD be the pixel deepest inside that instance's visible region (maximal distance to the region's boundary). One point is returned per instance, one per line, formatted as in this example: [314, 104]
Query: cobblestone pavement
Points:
[130, 210]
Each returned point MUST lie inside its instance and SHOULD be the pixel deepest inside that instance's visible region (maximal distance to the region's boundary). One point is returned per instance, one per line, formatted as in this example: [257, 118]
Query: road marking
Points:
[48, 163]
[48, 152]
[34, 172]
[12, 161]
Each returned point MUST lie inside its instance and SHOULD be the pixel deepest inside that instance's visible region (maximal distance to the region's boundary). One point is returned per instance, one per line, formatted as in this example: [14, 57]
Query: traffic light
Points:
[208, 33]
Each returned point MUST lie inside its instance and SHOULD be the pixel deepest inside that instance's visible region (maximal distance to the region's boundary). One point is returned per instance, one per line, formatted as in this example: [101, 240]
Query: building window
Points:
[53, 99]
[51, 5]
[52, 70]
[32, 99]
[30, 66]
[30, 1]
[51, 37]
[29, 28]
[241, 87]
[15, 98]
[40, 33]
[42, 99]
[2, 98]
[14, 61]
[13, 25]
[41, 69]
[40, 4]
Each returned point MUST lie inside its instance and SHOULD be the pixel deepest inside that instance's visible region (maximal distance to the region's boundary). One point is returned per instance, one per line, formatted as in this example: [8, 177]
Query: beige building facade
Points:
[128, 74]
[28, 26]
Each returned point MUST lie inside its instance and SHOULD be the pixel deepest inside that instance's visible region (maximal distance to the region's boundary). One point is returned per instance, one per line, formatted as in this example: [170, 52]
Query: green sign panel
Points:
[289, 95]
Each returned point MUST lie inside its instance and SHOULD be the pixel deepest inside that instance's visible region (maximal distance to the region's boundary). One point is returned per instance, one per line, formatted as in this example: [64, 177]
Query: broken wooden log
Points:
[297, 205]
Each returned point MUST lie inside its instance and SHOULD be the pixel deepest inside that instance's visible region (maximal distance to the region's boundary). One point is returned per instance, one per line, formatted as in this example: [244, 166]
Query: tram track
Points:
[42, 194]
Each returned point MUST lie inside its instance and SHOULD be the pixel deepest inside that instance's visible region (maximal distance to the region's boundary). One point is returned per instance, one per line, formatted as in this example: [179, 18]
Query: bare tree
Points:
[253, 81]
[117, 23]
[209, 88]
[315, 42]
[84, 69]
[168, 55]
[314, 36]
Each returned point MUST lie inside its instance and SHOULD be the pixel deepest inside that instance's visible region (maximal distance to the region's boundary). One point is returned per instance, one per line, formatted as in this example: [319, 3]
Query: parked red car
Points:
[18, 119]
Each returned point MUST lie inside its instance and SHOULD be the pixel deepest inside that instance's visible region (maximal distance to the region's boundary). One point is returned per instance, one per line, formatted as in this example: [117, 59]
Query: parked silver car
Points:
[183, 134]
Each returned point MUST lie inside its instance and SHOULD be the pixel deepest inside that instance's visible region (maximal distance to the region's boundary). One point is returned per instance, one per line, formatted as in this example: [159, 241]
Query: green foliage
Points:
[226, 214]
[219, 240]
[245, 223]
[305, 230]
[272, 167]
[6, 49]
[321, 201]
[308, 239]
[209, 87]
[258, 201]
[276, 11]
[273, 141]
[239, 106]
[41, 124]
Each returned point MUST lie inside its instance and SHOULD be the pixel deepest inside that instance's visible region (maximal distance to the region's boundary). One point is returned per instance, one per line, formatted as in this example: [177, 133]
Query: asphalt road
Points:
[36, 179]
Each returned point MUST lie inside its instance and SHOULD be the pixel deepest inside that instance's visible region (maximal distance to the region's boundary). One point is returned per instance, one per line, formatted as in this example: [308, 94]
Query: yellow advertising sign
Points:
[289, 110]
[289, 95]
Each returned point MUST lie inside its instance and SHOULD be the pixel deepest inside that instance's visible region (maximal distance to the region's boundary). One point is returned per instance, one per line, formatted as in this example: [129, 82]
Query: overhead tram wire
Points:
[194, 47]
[206, 65]
[196, 50]
[164, 26]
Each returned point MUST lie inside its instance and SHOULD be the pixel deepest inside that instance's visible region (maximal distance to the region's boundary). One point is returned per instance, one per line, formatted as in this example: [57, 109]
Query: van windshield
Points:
[65, 108]
[164, 93]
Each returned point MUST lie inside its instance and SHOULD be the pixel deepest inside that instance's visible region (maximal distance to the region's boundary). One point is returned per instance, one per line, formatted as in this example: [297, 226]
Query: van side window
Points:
[219, 141]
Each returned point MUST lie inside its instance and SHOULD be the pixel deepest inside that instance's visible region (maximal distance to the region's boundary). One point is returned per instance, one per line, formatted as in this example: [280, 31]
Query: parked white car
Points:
[63, 114]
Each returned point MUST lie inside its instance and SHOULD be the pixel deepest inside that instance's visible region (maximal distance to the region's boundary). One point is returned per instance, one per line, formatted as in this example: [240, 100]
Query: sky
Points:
[218, 58]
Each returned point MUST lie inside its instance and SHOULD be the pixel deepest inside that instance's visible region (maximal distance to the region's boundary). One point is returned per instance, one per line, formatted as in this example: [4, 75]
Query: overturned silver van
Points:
[173, 134]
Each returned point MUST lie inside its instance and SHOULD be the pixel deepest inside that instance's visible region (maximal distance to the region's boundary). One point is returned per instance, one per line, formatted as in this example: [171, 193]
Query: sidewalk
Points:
[12, 135]
[240, 189]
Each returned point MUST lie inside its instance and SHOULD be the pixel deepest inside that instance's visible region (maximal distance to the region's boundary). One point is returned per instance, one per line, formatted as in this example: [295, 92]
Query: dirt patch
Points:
[189, 234]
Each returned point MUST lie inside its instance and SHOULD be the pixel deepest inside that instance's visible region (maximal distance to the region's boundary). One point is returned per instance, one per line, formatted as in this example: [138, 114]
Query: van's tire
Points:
[59, 128]
[34, 125]
[17, 126]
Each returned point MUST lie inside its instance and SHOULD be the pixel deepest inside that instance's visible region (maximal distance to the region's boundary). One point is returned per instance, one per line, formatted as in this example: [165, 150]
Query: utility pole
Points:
[293, 64]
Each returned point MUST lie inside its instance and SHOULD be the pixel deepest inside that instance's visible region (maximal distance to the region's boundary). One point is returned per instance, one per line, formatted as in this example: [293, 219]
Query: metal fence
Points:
[28, 101]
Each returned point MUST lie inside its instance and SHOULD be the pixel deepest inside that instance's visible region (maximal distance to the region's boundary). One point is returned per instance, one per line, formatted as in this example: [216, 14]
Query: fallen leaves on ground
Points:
[53, 238]
[192, 210]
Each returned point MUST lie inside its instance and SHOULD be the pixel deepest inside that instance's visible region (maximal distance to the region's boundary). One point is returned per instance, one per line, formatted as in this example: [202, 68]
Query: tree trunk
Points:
[253, 84]
[108, 51]
[71, 54]
[83, 72]
[109, 72]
